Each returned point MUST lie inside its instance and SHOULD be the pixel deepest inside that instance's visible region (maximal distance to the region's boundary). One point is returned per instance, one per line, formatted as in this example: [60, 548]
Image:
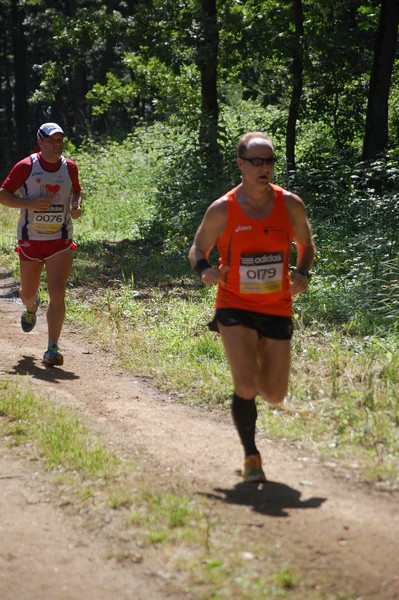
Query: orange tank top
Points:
[257, 252]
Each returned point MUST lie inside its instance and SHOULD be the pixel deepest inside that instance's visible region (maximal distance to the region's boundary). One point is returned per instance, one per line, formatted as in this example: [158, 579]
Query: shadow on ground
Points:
[273, 498]
[27, 366]
[9, 288]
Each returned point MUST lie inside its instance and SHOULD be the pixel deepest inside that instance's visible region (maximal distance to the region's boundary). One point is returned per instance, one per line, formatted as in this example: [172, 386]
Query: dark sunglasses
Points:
[260, 162]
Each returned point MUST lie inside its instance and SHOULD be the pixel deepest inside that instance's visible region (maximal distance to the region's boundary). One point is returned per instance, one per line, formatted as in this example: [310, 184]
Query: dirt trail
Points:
[308, 514]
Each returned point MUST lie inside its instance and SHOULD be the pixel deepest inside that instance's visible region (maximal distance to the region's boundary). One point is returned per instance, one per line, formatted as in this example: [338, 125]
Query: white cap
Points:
[48, 129]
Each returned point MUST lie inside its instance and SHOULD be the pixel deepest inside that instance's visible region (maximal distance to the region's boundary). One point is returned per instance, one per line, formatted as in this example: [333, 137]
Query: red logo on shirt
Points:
[53, 189]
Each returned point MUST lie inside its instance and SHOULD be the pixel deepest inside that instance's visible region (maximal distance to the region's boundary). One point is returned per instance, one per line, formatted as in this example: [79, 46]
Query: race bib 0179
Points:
[261, 273]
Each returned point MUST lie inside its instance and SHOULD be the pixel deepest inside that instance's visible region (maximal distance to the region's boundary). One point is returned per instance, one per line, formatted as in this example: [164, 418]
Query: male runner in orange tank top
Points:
[253, 227]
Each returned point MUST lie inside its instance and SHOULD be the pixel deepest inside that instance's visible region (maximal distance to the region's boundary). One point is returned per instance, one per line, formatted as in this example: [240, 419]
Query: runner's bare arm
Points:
[11, 200]
[76, 204]
[208, 232]
[304, 241]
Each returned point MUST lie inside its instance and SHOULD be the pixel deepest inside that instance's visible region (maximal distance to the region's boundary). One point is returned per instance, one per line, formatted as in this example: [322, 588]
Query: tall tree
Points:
[20, 82]
[297, 84]
[208, 63]
[376, 131]
[339, 35]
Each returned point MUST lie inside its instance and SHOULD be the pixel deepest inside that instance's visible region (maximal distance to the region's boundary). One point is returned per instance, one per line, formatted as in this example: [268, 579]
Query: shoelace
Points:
[29, 317]
[53, 349]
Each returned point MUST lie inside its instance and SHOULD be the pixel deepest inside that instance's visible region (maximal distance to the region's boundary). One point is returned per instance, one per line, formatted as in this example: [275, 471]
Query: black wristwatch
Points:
[303, 272]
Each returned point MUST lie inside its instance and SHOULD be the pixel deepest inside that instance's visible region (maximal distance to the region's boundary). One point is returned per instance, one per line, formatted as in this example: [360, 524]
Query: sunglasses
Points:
[260, 162]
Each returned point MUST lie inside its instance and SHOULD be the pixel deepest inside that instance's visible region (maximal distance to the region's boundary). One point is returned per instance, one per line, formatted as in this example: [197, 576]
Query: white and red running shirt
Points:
[32, 178]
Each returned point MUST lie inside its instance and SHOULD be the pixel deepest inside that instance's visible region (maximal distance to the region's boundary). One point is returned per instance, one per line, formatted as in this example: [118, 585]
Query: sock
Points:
[244, 416]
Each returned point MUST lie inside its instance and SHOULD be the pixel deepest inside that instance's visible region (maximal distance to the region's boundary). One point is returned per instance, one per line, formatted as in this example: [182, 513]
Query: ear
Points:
[239, 162]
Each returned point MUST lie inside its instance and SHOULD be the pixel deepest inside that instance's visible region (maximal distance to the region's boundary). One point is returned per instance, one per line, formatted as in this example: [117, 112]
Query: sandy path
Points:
[307, 514]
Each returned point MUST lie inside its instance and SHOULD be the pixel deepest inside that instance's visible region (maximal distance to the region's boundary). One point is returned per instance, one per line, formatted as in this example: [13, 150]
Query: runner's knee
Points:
[28, 298]
[272, 396]
[245, 390]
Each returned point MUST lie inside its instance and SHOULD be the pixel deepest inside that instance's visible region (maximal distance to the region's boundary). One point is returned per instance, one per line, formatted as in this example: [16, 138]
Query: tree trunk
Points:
[21, 108]
[79, 90]
[208, 61]
[376, 130]
[297, 85]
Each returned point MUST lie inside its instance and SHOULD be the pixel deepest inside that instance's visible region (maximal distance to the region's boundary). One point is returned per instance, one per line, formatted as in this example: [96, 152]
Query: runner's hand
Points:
[76, 211]
[298, 283]
[212, 275]
[41, 203]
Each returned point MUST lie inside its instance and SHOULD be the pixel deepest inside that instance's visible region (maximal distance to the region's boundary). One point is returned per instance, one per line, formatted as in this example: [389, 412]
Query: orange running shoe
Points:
[252, 471]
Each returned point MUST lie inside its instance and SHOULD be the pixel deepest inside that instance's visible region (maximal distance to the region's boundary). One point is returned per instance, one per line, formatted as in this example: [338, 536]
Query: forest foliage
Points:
[180, 80]
[102, 69]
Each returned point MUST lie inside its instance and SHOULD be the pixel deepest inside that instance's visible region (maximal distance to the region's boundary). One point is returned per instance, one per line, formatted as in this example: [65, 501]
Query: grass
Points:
[193, 545]
[119, 187]
[140, 299]
[342, 405]
[61, 440]
[342, 401]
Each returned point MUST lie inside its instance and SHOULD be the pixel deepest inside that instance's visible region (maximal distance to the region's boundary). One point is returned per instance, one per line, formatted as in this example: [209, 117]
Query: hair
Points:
[244, 140]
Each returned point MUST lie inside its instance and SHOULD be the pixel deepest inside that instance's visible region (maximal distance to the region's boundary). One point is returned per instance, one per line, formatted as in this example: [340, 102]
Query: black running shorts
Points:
[270, 326]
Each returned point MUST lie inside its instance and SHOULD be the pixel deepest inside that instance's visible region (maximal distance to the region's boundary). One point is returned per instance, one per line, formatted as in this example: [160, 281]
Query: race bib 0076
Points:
[50, 220]
[261, 273]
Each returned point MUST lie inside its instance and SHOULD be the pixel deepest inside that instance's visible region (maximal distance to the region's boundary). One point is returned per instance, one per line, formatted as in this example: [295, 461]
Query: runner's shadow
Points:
[9, 289]
[272, 498]
[27, 366]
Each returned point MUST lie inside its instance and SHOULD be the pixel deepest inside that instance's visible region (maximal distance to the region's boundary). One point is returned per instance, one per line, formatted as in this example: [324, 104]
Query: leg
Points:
[30, 271]
[58, 269]
[240, 344]
[273, 369]
[244, 415]
[241, 348]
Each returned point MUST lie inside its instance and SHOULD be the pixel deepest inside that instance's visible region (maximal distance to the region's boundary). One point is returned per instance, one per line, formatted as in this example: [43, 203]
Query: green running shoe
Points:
[252, 471]
[28, 319]
[53, 358]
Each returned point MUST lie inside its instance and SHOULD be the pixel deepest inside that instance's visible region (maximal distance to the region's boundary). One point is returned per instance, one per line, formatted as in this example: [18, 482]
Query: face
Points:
[257, 174]
[52, 147]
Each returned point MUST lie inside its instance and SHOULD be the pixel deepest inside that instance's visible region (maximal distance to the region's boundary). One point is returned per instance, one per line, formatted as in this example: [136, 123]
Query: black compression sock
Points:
[244, 416]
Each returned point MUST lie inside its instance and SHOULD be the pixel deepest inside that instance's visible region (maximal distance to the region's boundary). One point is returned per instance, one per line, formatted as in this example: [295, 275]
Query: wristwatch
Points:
[303, 272]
